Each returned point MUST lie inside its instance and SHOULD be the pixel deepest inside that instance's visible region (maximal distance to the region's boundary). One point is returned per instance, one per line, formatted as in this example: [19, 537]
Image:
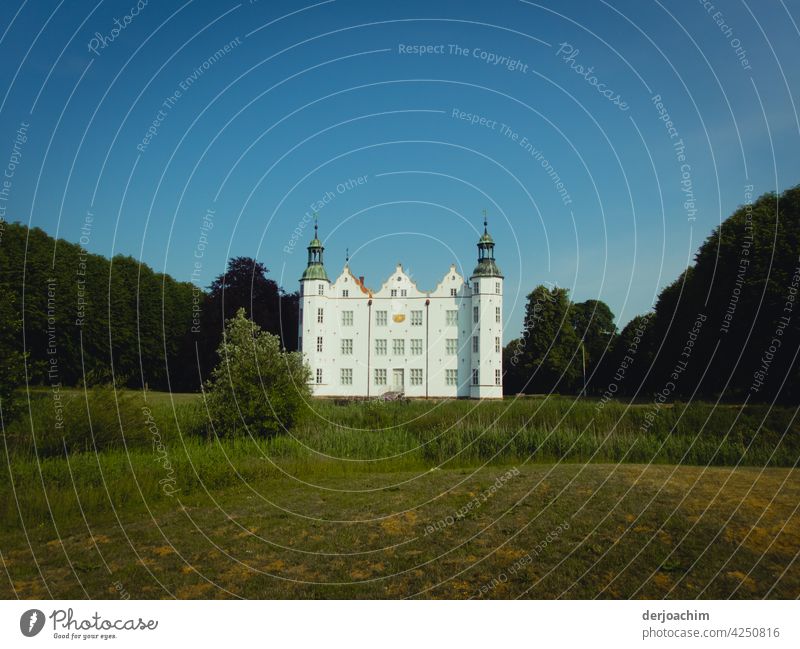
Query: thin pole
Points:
[369, 342]
[583, 353]
[427, 347]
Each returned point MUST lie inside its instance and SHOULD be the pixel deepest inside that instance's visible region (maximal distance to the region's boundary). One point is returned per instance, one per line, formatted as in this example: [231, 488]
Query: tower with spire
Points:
[486, 282]
[315, 269]
[314, 290]
[399, 339]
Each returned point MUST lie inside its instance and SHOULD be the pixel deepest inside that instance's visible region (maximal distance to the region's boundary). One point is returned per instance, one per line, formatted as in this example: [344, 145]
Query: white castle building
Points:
[443, 343]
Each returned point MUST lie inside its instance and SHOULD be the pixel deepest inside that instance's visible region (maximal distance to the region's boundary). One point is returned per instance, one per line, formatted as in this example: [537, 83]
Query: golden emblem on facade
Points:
[399, 317]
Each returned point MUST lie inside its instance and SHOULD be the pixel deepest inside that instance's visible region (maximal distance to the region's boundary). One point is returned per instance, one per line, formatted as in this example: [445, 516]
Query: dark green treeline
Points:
[728, 328]
[82, 317]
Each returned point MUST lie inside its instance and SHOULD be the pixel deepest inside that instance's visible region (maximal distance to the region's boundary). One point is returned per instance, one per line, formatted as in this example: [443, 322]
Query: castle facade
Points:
[444, 343]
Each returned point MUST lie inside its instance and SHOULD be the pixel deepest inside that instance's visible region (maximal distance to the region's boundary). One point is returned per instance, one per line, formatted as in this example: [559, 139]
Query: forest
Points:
[80, 317]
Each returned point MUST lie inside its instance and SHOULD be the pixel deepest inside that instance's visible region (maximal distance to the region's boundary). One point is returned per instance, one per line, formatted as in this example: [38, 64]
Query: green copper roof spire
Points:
[487, 267]
[315, 269]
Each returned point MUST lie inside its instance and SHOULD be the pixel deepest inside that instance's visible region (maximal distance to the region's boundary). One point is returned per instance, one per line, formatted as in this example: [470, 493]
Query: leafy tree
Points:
[629, 359]
[550, 357]
[744, 275]
[151, 329]
[594, 324]
[12, 371]
[514, 377]
[257, 388]
[94, 312]
[244, 285]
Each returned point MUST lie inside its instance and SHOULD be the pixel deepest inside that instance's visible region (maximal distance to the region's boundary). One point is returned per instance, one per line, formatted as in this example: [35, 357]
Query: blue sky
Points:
[311, 96]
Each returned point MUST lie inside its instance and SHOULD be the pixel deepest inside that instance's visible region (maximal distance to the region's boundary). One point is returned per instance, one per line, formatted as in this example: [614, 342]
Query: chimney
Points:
[361, 280]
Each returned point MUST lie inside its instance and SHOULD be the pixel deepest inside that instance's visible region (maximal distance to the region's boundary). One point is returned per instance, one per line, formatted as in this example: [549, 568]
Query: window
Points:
[345, 293]
[403, 292]
[475, 344]
[452, 317]
[319, 343]
[453, 292]
[347, 376]
[347, 318]
[347, 346]
[416, 377]
[380, 377]
[301, 314]
[321, 290]
[416, 346]
[380, 346]
[497, 313]
[497, 287]
[451, 377]
[476, 287]
[380, 318]
[475, 377]
[497, 344]
[394, 292]
[497, 378]
[451, 346]
[398, 346]
[319, 316]
[475, 314]
[319, 375]
[300, 342]
[416, 318]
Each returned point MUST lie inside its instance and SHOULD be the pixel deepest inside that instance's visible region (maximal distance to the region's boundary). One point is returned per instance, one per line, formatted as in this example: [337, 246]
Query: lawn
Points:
[544, 531]
[541, 498]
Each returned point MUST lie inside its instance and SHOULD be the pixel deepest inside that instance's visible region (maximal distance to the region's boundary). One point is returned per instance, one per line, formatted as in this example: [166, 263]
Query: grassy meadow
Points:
[538, 497]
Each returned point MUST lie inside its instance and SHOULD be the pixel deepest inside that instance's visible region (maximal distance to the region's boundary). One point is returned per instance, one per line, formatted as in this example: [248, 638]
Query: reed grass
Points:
[142, 452]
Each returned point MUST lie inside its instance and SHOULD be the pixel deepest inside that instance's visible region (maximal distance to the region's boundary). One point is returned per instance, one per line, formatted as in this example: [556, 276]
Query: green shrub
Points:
[61, 421]
[257, 389]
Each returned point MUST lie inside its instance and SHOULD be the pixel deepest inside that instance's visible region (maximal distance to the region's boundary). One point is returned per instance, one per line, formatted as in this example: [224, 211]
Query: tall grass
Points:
[560, 428]
[139, 452]
[100, 418]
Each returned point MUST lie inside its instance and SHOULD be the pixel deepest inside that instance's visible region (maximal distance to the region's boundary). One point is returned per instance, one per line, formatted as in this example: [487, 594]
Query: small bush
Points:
[62, 422]
[257, 389]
